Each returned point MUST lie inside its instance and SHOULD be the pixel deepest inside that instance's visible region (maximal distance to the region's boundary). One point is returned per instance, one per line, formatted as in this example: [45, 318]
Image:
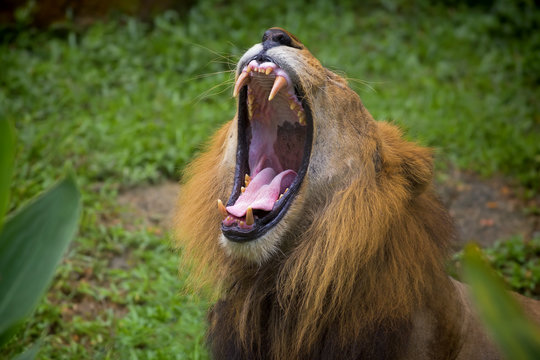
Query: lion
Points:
[327, 240]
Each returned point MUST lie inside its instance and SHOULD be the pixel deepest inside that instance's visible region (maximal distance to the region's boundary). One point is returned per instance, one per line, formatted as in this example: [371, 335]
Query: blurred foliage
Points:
[516, 261]
[28, 354]
[126, 103]
[7, 154]
[32, 243]
[517, 336]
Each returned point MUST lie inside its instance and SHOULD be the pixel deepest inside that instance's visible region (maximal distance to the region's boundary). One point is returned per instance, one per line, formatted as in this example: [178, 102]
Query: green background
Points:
[124, 102]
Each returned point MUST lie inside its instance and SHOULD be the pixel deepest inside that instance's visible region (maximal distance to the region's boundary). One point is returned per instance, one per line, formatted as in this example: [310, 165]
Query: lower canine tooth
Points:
[222, 209]
[302, 118]
[249, 217]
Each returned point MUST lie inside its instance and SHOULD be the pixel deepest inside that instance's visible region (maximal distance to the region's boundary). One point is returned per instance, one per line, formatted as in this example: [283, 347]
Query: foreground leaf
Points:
[29, 354]
[516, 336]
[7, 153]
[31, 246]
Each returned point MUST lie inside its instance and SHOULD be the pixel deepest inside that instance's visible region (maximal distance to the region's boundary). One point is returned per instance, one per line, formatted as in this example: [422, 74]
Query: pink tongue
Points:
[263, 191]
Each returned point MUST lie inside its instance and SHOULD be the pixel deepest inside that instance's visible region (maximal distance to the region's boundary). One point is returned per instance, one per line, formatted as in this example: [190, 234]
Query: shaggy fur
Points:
[354, 270]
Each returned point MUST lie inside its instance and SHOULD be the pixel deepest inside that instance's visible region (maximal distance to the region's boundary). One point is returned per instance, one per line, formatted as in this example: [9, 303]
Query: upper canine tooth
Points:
[279, 83]
[222, 209]
[269, 70]
[243, 79]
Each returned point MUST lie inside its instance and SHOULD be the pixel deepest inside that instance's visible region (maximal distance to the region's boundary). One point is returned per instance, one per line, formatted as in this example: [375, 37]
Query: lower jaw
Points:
[258, 250]
[270, 221]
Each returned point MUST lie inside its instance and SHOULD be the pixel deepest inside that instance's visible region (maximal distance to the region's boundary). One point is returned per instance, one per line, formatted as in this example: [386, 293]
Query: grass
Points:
[125, 103]
[516, 261]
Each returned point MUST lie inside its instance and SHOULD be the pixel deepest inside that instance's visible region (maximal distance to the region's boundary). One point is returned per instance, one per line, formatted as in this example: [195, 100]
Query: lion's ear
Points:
[405, 159]
[417, 167]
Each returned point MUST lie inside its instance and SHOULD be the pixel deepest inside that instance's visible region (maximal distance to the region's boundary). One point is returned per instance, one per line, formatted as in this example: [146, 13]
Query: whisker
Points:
[226, 85]
[219, 55]
[365, 83]
[206, 75]
[230, 63]
[209, 92]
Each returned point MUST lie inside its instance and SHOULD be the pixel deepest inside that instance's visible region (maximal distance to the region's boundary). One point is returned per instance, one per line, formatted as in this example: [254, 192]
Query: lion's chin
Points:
[275, 242]
[257, 251]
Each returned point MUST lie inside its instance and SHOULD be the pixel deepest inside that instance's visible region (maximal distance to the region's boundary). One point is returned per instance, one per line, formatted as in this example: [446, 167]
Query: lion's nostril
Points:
[262, 58]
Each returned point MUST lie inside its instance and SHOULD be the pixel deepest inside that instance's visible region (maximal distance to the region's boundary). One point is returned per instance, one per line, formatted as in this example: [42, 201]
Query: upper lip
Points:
[249, 227]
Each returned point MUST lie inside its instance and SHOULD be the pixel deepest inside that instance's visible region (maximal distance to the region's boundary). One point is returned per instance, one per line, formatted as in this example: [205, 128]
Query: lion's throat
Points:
[263, 191]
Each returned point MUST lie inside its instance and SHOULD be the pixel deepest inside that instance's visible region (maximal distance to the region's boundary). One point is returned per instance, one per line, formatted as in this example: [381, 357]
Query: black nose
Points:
[275, 37]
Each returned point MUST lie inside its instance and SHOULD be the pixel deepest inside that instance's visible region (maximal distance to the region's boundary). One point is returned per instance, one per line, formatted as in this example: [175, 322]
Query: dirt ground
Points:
[484, 210]
[154, 204]
[487, 210]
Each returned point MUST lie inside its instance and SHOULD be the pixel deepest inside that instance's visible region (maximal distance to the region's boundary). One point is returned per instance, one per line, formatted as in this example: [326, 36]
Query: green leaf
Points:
[31, 245]
[7, 153]
[29, 354]
[517, 337]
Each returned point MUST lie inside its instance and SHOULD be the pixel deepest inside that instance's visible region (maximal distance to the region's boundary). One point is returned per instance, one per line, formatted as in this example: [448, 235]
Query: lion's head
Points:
[320, 206]
[294, 118]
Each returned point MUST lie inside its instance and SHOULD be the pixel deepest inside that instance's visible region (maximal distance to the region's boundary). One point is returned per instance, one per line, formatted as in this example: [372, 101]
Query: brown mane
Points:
[369, 259]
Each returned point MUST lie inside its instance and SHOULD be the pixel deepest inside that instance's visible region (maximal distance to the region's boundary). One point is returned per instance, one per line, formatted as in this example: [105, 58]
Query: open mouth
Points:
[275, 131]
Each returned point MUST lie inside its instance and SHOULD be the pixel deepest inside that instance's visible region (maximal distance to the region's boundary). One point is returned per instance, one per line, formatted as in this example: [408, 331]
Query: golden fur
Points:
[355, 268]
